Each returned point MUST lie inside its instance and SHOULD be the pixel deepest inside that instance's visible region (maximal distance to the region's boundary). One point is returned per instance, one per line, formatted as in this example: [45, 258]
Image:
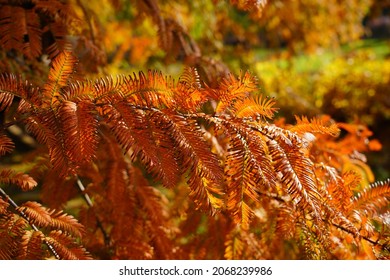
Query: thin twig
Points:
[82, 189]
[362, 236]
[90, 204]
[376, 243]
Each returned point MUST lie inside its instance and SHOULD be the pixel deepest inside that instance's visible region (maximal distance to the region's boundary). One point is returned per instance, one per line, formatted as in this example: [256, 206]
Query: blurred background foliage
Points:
[314, 56]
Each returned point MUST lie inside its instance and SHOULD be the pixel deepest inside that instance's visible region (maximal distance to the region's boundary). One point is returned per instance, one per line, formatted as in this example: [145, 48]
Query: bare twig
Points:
[90, 204]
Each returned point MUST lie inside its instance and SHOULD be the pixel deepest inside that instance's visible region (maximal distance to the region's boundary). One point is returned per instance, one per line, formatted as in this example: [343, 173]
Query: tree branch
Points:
[24, 216]
[90, 204]
[375, 243]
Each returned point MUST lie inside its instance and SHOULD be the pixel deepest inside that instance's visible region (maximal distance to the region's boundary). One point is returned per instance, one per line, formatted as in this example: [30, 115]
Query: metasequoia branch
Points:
[375, 243]
[24, 216]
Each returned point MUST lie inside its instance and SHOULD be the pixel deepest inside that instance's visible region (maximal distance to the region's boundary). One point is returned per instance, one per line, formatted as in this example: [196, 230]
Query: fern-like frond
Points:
[7, 246]
[59, 32]
[241, 181]
[6, 144]
[6, 99]
[249, 170]
[66, 223]
[162, 157]
[10, 86]
[341, 190]
[36, 128]
[118, 177]
[315, 125]
[190, 78]
[106, 88]
[48, 128]
[12, 228]
[79, 130]
[149, 90]
[69, 131]
[9, 25]
[145, 133]
[314, 243]
[61, 70]
[372, 200]
[255, 107]
[287, 217]
[31, 246]
[24, 181]
[66, 247]
[205, 175]
[119, 124]
[154, 90]
[20, 30]
[23, 29]
[234, 246]
[3, 206]
[233, 89]
[188, 93]
[297, 171]
[52, 196]
[162, 141]
[32, 46]
[87, 125]
[346, 224]
[36, 213]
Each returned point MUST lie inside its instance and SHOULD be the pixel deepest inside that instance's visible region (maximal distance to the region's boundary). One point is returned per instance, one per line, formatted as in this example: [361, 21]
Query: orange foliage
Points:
[195, 168]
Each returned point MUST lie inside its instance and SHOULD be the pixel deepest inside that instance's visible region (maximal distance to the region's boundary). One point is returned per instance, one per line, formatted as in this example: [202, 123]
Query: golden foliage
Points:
[315, 125]
[60, 71]
[255, 107]
[260, 165]
[6, 145]
[262, 162]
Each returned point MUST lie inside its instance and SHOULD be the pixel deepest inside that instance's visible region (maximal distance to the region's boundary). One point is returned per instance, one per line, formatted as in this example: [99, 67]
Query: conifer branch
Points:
[375, 243]
[24, 216]
[281, 199]
[148, 124]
